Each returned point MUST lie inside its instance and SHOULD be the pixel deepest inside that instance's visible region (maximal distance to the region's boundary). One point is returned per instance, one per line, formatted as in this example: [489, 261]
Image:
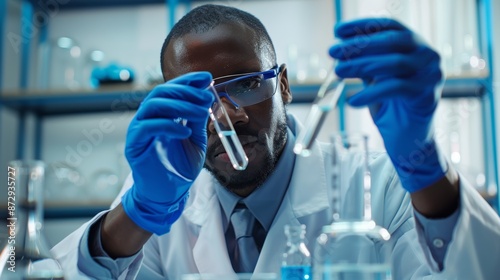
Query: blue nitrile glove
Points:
[165, 156]
[402, 78]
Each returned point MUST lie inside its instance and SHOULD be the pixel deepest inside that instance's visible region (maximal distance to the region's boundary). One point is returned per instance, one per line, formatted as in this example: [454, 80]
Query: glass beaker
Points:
[353, 246]
[26, 255]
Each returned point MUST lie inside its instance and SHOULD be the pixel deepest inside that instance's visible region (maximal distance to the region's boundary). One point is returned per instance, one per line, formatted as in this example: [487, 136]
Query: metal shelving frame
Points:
[485, 24]
[3, 16]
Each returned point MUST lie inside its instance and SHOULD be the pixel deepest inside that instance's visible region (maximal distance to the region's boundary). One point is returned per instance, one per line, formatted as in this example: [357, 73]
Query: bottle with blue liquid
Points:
[296, 264]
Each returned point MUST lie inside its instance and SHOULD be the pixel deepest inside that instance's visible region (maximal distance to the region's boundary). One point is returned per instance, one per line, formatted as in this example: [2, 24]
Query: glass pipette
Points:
[325, 101]
[226, 133]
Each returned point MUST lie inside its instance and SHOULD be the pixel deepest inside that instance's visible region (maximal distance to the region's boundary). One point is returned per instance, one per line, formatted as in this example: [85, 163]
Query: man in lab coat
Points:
[173, 215]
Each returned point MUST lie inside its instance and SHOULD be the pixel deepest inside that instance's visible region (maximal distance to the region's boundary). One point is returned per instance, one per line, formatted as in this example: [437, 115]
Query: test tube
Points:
[325, 101]
[226, 133]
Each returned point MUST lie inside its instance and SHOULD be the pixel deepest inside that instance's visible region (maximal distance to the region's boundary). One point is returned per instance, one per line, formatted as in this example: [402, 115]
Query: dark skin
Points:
[228, 50]
[257, 126]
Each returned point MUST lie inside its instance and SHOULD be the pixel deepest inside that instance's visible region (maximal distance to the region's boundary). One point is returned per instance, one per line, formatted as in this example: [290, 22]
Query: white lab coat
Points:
[196, 241]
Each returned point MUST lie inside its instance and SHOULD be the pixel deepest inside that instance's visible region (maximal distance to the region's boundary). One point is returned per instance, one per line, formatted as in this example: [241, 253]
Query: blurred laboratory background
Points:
[74, 71]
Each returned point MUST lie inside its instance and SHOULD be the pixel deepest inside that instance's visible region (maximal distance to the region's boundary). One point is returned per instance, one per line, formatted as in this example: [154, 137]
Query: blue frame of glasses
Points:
[268, 74]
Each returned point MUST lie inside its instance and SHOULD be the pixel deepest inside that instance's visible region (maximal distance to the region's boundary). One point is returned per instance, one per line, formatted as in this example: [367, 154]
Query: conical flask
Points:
[353, 247]
[26, 254]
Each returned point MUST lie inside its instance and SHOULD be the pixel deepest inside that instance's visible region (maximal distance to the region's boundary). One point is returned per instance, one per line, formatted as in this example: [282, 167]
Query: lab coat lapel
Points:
[300, 206]
[210, 251]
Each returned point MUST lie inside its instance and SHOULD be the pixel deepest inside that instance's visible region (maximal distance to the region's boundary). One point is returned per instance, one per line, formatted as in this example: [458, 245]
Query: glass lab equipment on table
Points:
[26, 255]
[353, 246]
[237, 276]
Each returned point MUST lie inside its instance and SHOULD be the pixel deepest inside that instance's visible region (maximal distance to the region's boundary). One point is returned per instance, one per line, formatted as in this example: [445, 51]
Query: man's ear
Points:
[286, 94]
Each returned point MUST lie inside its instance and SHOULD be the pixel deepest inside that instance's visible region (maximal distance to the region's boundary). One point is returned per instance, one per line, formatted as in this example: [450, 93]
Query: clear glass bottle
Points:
[296, 264]
[26, 254]
[353, 247]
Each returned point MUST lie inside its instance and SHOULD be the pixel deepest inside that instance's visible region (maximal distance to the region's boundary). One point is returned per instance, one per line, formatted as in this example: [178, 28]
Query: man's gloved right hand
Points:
[402, 90]
[165, 147]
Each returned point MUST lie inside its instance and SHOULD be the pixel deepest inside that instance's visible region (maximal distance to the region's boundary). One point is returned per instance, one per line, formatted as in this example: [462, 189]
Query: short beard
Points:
[242, 179]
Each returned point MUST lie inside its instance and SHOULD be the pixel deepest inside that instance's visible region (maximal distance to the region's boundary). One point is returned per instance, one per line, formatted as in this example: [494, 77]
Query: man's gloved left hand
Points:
[401, 76]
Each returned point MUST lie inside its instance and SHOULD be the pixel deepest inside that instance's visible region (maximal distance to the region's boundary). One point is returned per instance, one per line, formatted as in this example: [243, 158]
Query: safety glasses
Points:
[248, 88]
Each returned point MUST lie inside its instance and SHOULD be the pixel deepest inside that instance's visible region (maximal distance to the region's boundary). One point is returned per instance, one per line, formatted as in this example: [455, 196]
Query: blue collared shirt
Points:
[265, 201]
[438, 233]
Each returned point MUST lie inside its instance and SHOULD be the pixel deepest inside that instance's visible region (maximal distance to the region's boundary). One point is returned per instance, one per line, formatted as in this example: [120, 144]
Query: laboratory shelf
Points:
[123, 98]
[50, 103]
[79, 211]
[59, 211]
[76, 4]
[459, 87]
[454, 87]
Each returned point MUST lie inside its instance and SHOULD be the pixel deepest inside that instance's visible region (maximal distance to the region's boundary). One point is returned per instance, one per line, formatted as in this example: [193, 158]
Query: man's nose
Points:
[238, 116]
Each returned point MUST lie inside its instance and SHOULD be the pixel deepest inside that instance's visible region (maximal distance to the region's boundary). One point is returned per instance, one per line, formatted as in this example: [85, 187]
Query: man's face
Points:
[261, 128]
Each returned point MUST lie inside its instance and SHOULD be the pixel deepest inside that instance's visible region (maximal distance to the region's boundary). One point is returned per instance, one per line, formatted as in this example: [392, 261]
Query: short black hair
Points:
[209, 16]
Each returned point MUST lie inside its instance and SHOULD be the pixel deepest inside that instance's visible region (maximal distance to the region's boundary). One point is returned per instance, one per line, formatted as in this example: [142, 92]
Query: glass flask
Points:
[26, 254]
[296, 263]
[353, 246]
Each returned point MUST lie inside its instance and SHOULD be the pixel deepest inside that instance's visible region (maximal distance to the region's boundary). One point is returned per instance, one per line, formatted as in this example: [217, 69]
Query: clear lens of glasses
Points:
[250, 89]
[227, 134]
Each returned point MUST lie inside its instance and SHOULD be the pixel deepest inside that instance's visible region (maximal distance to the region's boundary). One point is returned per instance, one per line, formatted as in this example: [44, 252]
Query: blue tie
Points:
[246, 253]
